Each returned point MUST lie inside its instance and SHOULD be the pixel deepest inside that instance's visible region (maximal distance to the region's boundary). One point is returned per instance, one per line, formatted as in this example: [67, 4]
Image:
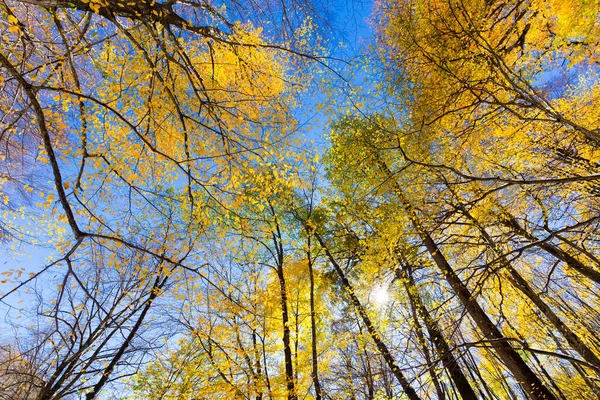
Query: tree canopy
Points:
[193, 229]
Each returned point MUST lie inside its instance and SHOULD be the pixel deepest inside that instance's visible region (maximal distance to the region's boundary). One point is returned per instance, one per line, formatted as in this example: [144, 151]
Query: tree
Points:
[131, 129]
[197, 251]
[482, 121]
[19, 376]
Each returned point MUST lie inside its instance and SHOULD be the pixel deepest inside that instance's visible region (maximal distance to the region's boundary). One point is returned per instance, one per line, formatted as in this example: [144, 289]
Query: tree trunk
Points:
[313, 322]
[510, 222]
[530, 382]
[521, 284]
[452, 367]
[287, 350]
[381, 346]
[423, 343]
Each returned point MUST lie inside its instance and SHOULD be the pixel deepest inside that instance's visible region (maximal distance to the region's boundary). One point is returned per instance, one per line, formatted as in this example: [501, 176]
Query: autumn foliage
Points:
[188, 237]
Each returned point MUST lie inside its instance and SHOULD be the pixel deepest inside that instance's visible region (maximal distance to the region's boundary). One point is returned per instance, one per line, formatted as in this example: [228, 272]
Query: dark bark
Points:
[155, 291]
[528, 380]
[450, 364]
[521, 284]
[375, 336]
[287, 350]
[257, 367]
[313, 322]
[423, 341]
[510, 222]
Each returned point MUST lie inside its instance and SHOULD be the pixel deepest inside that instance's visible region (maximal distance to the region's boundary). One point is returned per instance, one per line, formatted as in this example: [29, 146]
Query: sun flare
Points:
[380, 296]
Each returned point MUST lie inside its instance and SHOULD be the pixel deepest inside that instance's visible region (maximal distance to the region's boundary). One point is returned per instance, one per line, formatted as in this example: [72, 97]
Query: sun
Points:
[380, 295]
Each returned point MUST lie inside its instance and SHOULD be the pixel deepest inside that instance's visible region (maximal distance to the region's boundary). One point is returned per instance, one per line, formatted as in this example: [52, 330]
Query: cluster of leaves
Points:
[154, 148]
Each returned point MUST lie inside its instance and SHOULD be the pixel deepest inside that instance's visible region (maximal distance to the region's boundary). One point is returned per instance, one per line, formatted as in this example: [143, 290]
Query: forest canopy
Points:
[207, 199]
